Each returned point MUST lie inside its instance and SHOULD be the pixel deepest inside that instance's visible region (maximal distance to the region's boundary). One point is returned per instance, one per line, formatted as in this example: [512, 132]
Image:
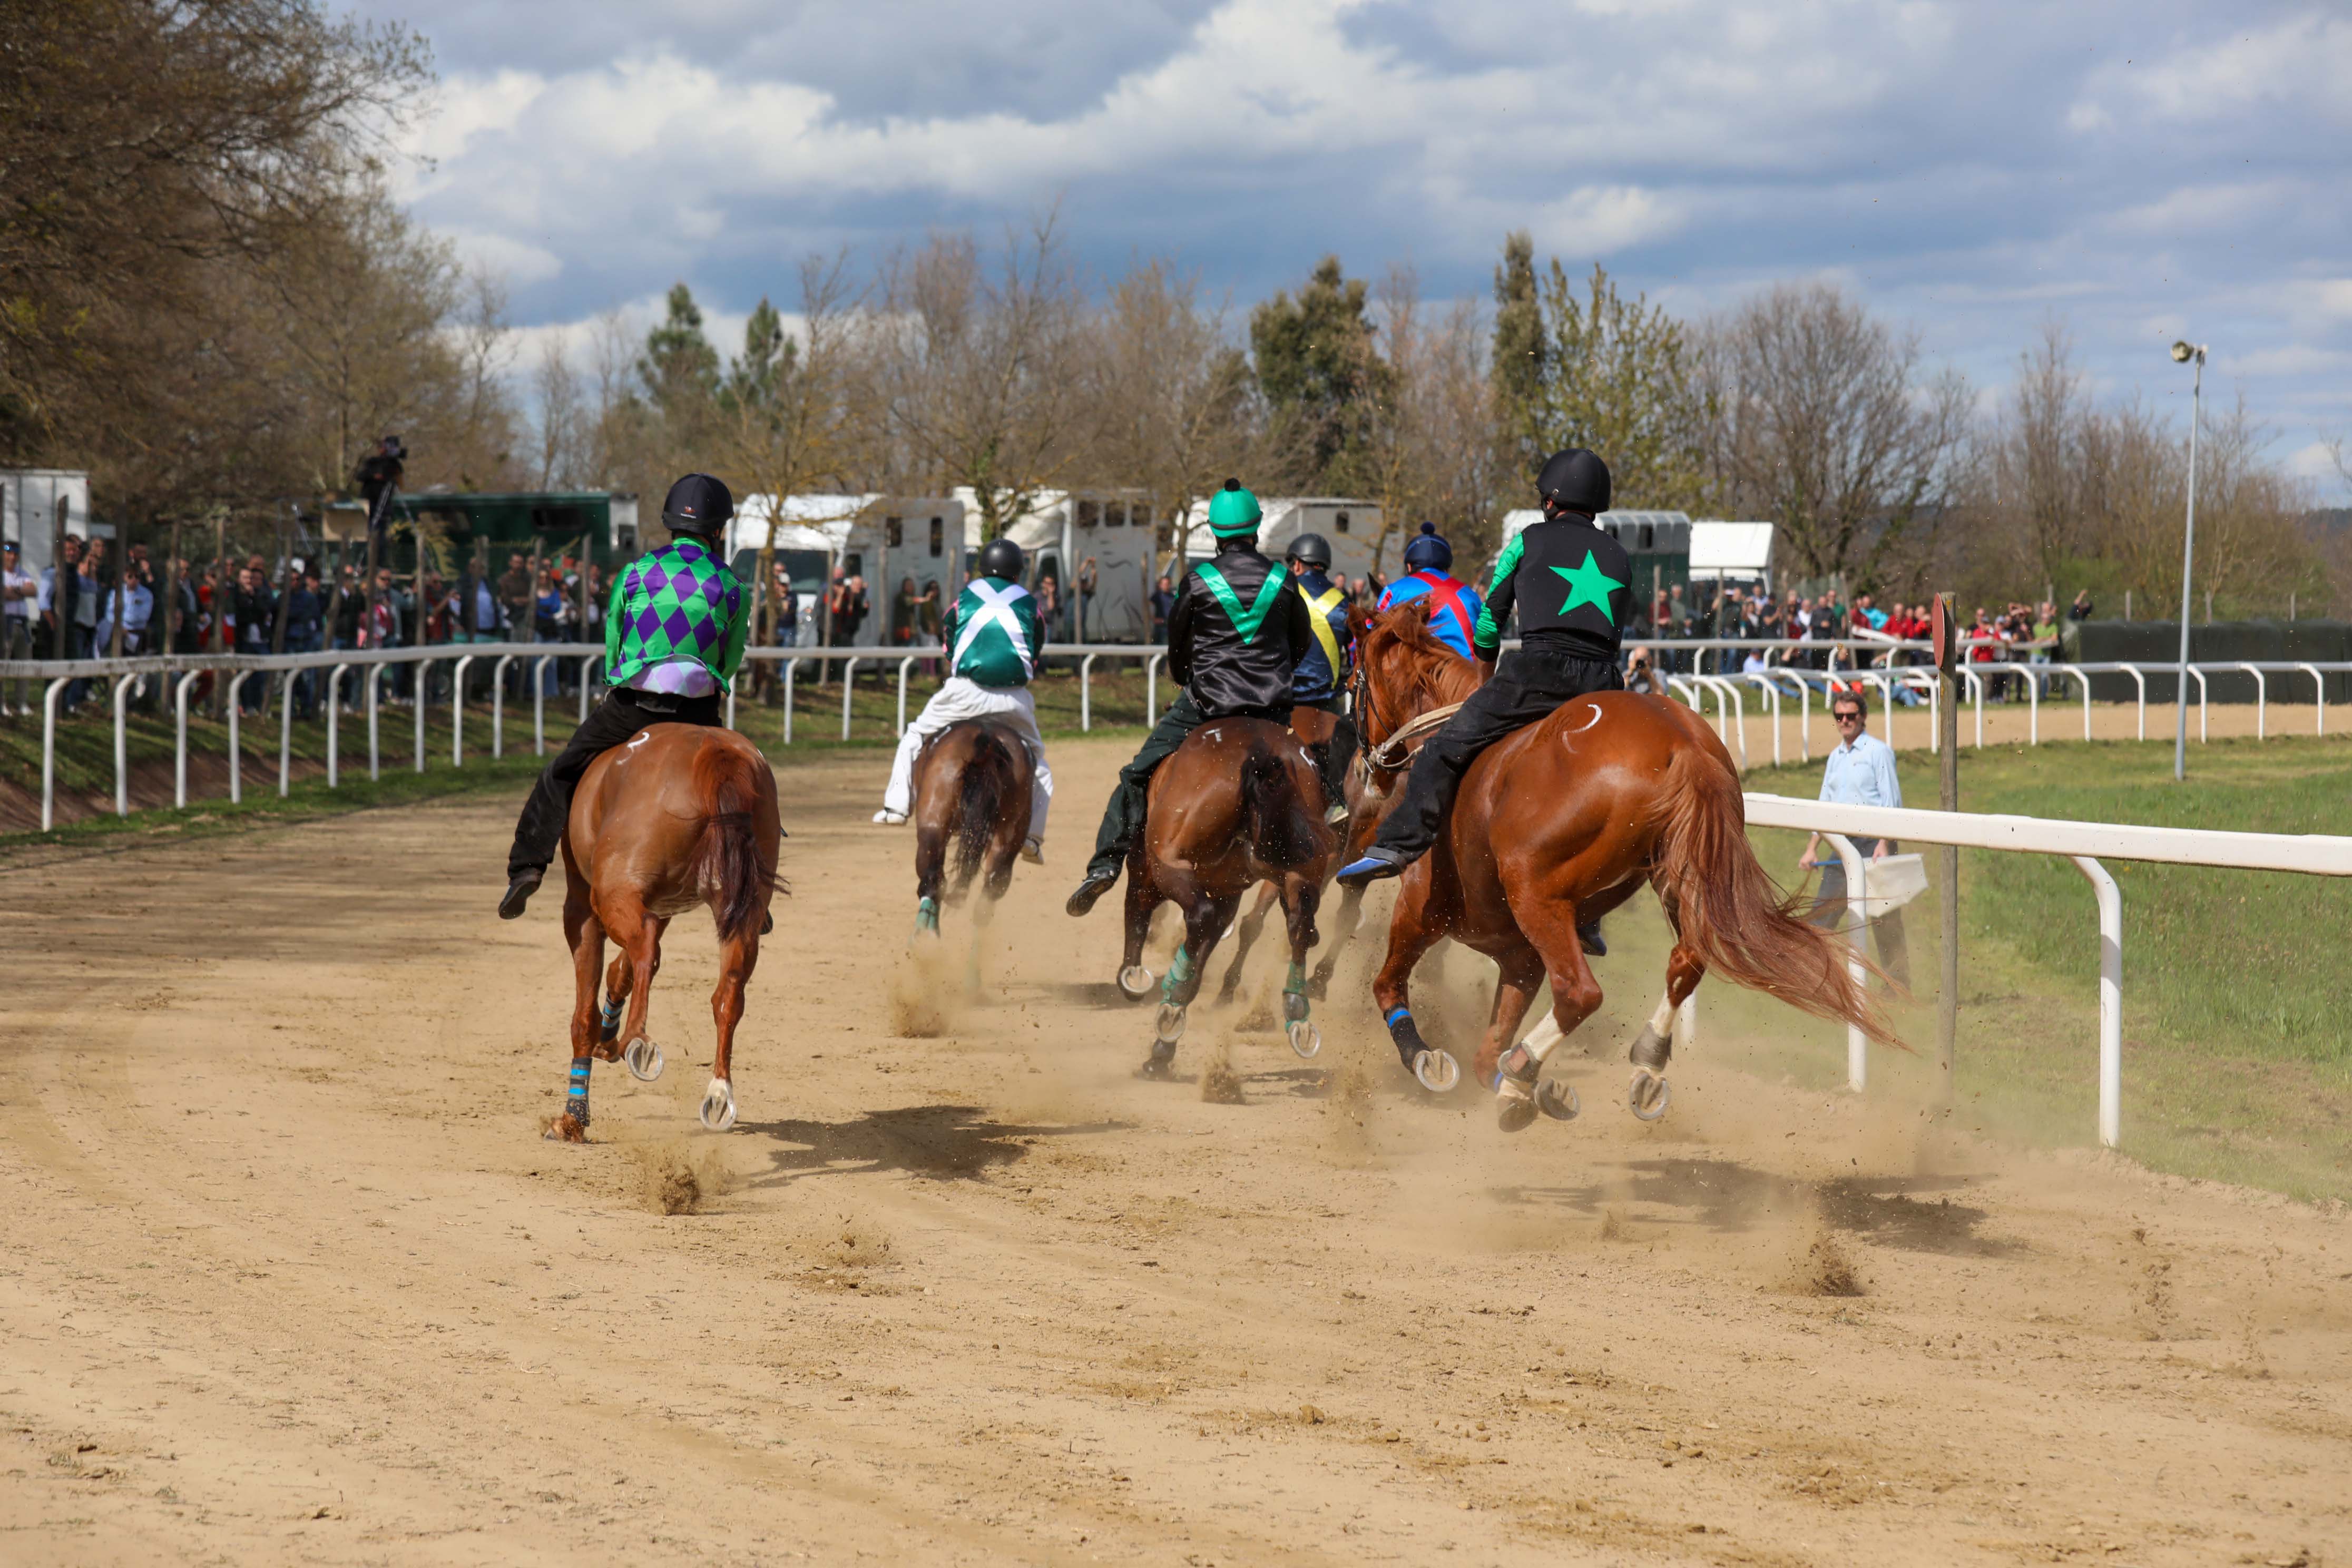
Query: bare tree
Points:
[560, 431]
[1172, 395]
[1827, 425]
[979, 368]
[1432, 448]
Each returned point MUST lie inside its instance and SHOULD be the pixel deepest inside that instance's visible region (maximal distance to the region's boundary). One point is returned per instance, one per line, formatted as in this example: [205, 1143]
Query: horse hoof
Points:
[1437, 1070]
[644, 1060]
[1168, 1027]
[1161, 1063]
[1305, 1038]
[566, 1129]
[1515, 1115]
[1318, 988]
[1649, 1095]
[1135, 982]
[718, 1106]
[1294, 1006]
[1557, 1100]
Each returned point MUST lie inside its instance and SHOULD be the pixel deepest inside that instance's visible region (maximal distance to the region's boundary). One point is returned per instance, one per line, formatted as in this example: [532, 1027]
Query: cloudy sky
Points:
[2141, 171]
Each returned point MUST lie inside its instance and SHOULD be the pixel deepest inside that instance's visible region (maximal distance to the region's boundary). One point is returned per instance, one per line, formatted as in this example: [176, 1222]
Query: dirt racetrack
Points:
[288, 1275]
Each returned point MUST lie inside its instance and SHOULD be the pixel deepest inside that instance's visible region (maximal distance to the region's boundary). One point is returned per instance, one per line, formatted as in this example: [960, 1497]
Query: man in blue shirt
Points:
[1860, 772]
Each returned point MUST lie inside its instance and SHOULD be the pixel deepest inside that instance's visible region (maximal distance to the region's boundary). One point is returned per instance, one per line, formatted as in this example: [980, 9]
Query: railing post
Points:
[1976, 690]
[2111, 999]
[2140, 681]
[791, 668]
[422, 668]
[2202, 733]
[458, 711]
[2033, 704]
[539, 702]
[180, 743]
[286, 735]
[1804, 718]
[49, 752]
[726, 720]
[586, 665]
[1857, 1059]
[2262, 699]
[848, 690]
[334, 711]
[235, 756]
[374, 704]
[499, 705]
[121, 749]
[1087, 691]
[2319, 691]
[905, 665]
[1151, 688]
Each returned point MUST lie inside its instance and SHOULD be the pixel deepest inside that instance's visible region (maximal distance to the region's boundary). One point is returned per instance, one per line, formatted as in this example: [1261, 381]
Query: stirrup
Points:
[889, 818]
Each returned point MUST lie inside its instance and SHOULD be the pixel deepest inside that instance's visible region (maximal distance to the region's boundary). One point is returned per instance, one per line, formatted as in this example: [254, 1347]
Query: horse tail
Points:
[729, 850]
[1272, 814]
[1730, 913]
[981, 794]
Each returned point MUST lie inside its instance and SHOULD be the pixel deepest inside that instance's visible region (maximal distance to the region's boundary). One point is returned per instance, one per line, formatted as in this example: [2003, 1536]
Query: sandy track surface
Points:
[288, 1275]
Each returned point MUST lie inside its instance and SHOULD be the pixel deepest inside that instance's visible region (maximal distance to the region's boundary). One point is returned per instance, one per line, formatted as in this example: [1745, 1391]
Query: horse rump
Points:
[1729, 913]
[989, 771]
[1280, 829]
[729, 853]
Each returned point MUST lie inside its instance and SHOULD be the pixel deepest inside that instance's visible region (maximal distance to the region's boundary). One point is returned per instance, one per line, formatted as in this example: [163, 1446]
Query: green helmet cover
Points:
[1233, 511]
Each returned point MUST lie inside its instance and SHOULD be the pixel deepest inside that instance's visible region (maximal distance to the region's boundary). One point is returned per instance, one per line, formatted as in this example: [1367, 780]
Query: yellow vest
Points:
[1320, 608]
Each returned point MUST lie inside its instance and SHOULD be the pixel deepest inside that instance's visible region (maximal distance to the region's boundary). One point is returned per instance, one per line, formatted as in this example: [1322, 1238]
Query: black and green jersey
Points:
[1568, 580]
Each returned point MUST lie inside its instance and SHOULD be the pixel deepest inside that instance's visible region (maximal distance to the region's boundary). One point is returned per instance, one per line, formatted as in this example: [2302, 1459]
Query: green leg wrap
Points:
[1180, 970]
[926, 916]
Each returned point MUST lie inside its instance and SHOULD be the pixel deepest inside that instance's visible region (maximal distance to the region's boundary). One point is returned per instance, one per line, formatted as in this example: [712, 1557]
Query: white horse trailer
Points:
[885, 539]
[1356, 531]
[1116, 530]
[33, 503]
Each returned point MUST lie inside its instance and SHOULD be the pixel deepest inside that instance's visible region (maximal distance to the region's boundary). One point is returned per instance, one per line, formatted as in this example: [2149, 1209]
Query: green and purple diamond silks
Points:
[679, 604]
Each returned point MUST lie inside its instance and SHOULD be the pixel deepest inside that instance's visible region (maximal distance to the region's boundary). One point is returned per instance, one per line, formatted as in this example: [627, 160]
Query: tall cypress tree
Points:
[1520, 360]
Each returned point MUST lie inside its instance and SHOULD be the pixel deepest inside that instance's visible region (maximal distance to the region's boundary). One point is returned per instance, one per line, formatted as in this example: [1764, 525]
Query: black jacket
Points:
[1208, 654]
[1569, 581]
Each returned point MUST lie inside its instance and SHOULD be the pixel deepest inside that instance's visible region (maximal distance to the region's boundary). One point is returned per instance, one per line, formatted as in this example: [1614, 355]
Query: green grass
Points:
[2237, 1018]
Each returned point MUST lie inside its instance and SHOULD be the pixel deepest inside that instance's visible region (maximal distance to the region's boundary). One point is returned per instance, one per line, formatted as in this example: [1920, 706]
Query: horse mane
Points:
[1432, 673]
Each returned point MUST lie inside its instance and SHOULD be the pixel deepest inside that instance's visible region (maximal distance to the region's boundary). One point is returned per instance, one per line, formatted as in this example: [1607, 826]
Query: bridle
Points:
[1391, 754]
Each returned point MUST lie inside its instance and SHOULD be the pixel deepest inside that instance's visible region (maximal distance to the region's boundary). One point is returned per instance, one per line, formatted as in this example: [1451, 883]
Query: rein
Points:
[1396, 750]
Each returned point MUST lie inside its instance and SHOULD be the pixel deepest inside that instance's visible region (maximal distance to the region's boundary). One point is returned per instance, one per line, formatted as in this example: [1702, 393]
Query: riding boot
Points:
[520, 885]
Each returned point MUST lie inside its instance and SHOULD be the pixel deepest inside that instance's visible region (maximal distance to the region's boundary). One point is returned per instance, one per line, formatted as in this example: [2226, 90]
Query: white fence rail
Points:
[2084, 842]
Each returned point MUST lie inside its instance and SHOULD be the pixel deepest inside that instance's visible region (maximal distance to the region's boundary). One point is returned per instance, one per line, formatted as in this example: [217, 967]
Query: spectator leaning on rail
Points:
[673, 637]
[1860, 772]
[992, 636]
[1454, 606]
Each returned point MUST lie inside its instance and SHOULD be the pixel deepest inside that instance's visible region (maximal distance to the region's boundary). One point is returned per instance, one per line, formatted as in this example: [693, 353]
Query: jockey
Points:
[1568, 647]
[1454, 606]
[1322, 673]
[672, 637]
[1235, 639]
[991, 636]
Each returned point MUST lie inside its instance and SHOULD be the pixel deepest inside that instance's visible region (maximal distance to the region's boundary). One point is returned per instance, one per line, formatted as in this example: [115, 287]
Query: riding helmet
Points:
[1428, 551]
[1234, 512]
[700, 505]
[1576, 480]
[1311, 550]
[1001, 557]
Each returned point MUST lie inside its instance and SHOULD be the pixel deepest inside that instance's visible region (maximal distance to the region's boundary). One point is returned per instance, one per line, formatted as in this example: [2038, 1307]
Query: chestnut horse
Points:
[1237, 803]
[971, 786]
[1554, 827]
[681, 814]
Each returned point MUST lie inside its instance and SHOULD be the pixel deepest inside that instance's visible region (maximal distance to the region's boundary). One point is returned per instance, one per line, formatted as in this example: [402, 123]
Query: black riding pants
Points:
[621, 713]
[1332, 757]
[1131, 800]
[1527, 686]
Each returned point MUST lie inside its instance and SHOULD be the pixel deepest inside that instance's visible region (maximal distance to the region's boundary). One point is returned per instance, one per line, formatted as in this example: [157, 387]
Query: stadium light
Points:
[2183, 353]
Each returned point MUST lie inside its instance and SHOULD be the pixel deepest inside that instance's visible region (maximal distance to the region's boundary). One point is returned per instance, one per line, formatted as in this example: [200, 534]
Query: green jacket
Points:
[680, 602]
[993, 633]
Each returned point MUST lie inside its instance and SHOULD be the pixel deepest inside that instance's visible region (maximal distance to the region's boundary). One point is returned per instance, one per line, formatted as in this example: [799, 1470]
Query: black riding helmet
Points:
[1575, 481]
[1001, 557]
[699, 505]
[1310, 550]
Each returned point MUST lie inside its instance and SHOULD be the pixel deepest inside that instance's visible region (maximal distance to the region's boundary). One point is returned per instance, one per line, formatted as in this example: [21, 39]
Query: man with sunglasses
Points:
[1860, 772]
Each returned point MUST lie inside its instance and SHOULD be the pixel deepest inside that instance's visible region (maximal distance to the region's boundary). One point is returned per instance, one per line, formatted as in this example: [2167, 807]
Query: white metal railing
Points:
[2084, 842]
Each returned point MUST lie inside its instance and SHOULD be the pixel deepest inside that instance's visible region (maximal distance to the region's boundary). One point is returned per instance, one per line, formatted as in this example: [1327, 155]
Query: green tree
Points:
[1320, 375]
[755, 378]
[679, 368]
[1623, 378]
[1519, 357]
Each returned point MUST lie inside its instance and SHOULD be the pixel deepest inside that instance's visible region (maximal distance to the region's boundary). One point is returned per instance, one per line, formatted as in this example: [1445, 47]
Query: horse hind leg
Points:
[738, 956]
[1143, 897]
[587, 939]
[931, 873]
[1352, 916]
[1205, 924]
[1412, 931]
[1512, 1073]
[1244, 937]
[1576, 995]
[1301, 897]
[1654, 1048]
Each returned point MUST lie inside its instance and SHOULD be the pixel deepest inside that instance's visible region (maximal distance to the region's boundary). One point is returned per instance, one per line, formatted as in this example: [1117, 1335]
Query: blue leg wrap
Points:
[1408, 1043]
[612, 1020]
[575, 1099]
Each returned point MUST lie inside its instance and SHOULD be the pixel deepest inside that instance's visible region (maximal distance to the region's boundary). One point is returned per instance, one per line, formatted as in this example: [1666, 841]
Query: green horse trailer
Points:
[460, 533]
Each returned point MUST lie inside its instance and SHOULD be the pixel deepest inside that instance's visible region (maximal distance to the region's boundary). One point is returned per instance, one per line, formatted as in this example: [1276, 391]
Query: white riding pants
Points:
[961, 699]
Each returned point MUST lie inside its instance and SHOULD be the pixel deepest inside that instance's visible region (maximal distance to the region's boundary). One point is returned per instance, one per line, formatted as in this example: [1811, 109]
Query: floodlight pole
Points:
[2188, 559]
